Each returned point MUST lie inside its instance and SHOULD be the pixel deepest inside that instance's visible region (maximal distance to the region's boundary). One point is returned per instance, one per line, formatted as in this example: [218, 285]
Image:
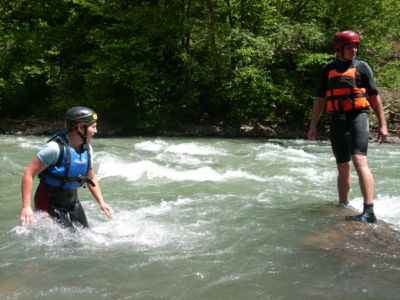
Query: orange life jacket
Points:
[343, 93]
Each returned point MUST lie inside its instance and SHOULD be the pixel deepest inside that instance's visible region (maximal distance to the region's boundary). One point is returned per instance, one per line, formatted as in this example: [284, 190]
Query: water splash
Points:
[386, 208]
[143, 227]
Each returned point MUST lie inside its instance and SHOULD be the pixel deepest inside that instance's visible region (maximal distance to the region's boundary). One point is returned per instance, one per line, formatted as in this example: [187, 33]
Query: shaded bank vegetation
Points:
[165, 64]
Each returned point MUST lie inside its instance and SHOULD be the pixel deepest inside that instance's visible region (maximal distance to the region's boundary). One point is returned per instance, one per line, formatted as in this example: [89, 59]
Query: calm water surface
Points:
[205, 219]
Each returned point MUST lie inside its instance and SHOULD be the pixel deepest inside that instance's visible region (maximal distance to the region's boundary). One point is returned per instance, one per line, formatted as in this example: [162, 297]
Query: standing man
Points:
[63, 165]
[349, 89]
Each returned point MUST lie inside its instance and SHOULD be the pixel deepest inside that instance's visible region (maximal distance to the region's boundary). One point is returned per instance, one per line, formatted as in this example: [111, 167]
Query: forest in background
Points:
[169, 63]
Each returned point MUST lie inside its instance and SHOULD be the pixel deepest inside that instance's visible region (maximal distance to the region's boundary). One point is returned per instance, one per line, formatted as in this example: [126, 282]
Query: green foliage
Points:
[146, 64]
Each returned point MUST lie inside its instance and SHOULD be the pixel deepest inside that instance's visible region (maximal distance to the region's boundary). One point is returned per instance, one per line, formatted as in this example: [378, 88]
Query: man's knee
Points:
[344, 168]
[360, 161]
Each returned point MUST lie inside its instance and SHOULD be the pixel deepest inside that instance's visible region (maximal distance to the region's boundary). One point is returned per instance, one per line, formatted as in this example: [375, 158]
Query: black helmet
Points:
[79, 115]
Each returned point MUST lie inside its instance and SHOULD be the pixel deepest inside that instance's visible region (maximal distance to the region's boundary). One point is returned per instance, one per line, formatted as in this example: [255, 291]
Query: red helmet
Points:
[344, 38]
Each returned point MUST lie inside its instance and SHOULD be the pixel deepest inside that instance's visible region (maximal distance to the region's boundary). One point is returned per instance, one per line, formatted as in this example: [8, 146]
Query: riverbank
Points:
[35, 126]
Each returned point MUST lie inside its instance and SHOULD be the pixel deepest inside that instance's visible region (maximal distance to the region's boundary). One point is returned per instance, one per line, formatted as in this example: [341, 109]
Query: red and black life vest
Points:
[343, 93]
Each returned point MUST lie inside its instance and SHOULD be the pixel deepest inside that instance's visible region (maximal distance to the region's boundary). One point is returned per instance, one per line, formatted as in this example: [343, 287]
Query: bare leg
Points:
[344, 181]
[365, 177]
[367, 189]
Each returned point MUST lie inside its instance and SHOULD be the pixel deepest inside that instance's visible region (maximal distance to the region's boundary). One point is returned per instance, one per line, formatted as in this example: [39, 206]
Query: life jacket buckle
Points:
[84, 180]
[81, 180]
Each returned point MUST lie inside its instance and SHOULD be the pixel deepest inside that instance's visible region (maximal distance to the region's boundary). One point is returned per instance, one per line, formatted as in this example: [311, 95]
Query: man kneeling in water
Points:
[63, 165]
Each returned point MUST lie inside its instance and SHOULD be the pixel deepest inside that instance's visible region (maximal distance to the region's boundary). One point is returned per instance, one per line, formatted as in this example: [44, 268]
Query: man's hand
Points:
[108, 210]
[27, 216]
[382, 134]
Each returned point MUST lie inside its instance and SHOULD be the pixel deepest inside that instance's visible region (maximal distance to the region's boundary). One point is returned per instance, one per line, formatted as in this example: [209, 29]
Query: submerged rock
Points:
[357, 241]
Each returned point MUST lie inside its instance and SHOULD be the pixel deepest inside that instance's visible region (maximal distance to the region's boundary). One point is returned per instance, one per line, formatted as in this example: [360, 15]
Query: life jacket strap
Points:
[82, 180]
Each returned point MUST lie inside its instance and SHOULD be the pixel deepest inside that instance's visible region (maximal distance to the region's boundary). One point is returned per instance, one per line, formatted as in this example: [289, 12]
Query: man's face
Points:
[91, 131]
[349, 51]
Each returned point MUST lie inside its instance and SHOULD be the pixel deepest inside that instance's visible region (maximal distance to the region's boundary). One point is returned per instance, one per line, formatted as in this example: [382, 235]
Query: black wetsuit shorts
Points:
[62, 205]
[349, 134]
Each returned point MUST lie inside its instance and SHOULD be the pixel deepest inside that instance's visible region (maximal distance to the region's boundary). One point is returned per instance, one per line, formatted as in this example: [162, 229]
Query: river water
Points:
[205, 218]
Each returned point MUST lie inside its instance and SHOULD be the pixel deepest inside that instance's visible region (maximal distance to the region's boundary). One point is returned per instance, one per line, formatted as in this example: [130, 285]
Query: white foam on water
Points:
[44, 232]
[129, 228]
[160, 146]
[313, 174]
[394, 153]
[268, 146]
[182, 159]
[299, 153]
[284, 154]
[109, 167]
[9, 163]
[30, 146]
[299, 159]
[145, 226]
[22, 142]
[151, 146]
[386, 208]
[264, 197]
[194, 149]
[7, 139]
[29, 143]
[284, 179]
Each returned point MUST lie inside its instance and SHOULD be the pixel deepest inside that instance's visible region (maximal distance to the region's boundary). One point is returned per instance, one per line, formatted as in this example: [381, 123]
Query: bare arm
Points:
[33, 169]
[318, 108]
[96, 192]
[377, 106]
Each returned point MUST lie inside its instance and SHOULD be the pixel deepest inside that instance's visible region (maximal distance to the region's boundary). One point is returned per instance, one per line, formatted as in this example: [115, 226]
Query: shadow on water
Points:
[355, 241]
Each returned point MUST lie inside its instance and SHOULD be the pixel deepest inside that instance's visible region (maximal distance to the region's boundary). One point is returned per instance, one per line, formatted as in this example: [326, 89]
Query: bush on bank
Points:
[163, 64]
